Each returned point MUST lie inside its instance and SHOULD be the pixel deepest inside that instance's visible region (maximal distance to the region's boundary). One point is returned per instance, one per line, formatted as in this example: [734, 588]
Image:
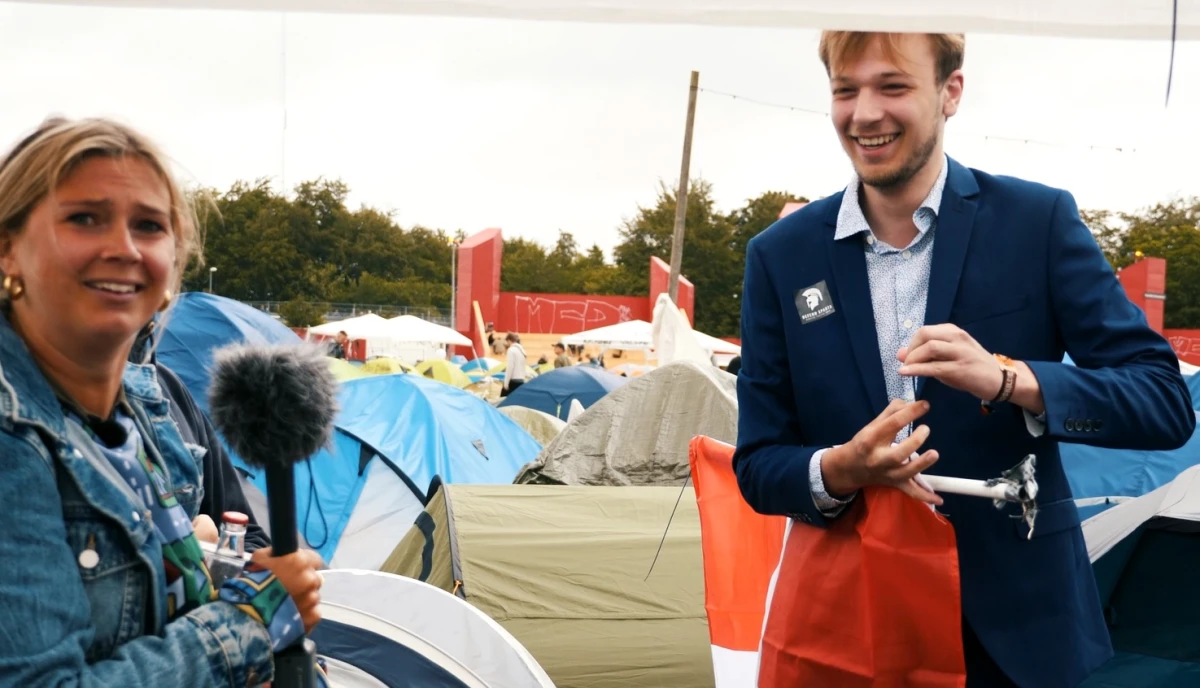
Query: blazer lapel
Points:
[956, 220]
[853, 293]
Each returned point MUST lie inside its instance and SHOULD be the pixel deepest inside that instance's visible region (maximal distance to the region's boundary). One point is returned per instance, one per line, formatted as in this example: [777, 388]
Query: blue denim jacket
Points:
[99, 620]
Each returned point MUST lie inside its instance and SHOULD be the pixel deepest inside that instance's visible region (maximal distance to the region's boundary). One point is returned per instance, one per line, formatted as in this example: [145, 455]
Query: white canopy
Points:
[631, 334]
[1134, 19]
[359, 327]
[410, 328]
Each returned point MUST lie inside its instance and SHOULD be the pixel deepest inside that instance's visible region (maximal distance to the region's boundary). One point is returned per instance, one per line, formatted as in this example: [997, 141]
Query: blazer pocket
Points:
[1051, 518]
[978, 310]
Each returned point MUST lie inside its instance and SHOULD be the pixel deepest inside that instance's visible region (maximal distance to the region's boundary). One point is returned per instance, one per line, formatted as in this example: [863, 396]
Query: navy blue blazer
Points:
[1015, 267]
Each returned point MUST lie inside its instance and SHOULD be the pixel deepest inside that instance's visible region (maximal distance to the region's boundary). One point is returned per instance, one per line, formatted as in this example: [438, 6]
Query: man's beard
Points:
[900, 176]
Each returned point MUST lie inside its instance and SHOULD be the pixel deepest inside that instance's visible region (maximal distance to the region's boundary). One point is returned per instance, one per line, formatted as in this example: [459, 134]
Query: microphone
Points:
[276, 405]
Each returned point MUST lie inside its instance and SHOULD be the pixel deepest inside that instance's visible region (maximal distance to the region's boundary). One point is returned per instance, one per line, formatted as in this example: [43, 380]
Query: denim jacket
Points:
[81, 577]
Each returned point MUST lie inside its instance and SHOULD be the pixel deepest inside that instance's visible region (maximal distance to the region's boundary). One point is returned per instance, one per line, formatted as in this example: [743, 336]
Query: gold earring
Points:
[14, 286]
[166, 302]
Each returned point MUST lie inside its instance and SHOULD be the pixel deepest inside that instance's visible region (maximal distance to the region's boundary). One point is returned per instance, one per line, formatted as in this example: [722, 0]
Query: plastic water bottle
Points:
[228, 558]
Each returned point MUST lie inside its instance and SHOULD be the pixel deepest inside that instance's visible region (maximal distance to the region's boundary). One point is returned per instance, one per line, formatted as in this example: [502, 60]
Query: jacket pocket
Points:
[978, 310]
[113, 578]
[1051, 518]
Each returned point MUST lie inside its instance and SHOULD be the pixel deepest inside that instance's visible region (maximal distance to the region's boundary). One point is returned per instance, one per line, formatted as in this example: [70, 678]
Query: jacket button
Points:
[1087, 425]
[1069, 424]
[136, 517]
[1097, 424]
[88, 559]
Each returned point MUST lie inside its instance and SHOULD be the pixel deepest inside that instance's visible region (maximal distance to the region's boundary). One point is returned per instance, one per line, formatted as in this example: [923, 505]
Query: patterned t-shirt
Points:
[256, 592]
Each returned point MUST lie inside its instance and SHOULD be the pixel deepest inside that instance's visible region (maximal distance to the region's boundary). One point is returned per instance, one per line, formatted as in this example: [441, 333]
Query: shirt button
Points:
[136, 517]
[906, 255]
[908, 324]
[870, 239]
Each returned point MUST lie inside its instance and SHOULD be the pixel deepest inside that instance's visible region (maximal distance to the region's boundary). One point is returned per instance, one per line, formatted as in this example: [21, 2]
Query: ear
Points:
[952, 92]
[8, 260]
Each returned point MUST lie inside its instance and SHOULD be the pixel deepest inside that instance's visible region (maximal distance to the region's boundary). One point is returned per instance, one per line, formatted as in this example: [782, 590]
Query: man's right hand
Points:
[872, 458]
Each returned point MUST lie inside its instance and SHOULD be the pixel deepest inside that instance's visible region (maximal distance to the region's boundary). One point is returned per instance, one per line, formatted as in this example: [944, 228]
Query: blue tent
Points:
[396, 435]
[198, 323]
[552, 392]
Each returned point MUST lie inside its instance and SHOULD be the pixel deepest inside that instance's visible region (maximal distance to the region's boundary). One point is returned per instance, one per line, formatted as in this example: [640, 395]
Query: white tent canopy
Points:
[1126, 19]
[1178, 499]
[631, 334]
[406, 337]
[410, 328]
[462, 635]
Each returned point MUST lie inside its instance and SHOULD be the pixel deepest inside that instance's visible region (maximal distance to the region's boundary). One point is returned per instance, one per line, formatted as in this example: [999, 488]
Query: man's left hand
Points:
[951, 356]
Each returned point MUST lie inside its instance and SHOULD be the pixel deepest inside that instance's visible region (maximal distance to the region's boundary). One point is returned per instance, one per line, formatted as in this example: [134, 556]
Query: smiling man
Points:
[921, 315]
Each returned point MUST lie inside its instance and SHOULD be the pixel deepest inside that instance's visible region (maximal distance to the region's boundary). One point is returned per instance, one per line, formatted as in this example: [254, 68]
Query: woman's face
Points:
[96, 256]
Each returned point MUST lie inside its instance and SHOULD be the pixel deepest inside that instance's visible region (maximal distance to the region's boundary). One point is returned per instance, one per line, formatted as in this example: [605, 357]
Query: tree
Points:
[1166, 230]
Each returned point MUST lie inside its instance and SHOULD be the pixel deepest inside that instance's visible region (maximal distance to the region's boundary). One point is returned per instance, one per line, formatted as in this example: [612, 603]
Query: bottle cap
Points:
[236, 518]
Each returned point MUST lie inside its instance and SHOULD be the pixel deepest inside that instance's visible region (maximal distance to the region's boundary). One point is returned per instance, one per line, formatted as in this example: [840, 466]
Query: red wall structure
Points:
[479, 259]
[1145, 284]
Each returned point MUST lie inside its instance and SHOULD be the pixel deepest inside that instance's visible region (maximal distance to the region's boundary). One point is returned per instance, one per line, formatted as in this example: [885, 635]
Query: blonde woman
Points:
[102, 581]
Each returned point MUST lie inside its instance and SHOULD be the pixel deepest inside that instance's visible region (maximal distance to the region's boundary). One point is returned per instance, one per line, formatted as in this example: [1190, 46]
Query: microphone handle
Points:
[281, 509]
[295, 666]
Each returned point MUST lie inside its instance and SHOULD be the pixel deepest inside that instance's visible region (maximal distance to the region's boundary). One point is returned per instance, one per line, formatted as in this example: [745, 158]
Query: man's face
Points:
[890, 112]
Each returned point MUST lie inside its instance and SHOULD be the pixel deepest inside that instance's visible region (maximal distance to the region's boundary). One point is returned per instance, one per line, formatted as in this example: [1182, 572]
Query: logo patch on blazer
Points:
[814, 303]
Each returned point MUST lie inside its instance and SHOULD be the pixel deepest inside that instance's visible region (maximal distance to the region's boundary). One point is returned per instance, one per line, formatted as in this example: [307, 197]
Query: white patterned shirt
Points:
[899, 281]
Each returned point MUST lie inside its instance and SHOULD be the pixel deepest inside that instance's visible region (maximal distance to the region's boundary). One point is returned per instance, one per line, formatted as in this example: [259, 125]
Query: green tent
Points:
[564, 569]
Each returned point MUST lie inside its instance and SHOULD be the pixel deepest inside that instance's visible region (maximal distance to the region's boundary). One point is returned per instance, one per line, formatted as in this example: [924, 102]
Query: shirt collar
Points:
[851, 220]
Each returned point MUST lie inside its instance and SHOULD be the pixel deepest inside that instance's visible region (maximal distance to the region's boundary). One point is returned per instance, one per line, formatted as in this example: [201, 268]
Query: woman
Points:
[102, 579]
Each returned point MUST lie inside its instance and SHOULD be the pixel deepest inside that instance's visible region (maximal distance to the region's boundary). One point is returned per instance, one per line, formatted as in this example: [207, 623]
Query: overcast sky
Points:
[535, 127]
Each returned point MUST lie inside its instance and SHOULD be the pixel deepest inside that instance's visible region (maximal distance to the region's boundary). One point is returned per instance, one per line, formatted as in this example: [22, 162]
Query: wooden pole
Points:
[681, 198]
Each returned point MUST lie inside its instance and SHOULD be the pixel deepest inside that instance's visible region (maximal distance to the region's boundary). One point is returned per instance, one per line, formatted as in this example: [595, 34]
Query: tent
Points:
[345, 370]
[198, 323]
[394, 435]
[542, 426]
[385, 366]
[1100, 478]
[1145, 553]
[1067, 18]
[631, 334]
[553, 392]
[370, 621]
[639, 434]
[443, 371]
[567, 571]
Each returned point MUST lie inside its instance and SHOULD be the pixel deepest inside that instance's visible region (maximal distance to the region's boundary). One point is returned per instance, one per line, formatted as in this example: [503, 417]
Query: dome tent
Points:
[553, 392]
[393, 436]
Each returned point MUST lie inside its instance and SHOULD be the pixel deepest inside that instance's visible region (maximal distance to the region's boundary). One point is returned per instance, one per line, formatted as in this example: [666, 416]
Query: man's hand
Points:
[951, 356]
[873, 458]
[205, 529]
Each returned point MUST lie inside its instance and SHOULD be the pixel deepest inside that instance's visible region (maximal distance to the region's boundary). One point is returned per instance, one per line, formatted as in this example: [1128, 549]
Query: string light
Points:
[985, 137]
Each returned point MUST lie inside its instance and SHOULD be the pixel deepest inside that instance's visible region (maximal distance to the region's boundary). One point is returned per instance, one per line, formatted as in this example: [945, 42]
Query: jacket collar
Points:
[36, 403]
[959, 184]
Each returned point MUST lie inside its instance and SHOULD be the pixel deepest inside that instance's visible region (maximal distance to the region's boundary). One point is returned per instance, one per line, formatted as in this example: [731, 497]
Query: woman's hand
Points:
[298, 574]
[205, 529]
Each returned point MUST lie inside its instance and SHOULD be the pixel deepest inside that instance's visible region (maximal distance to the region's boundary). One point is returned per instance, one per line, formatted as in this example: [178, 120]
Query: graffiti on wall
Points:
[1186, 344]
[567, 314]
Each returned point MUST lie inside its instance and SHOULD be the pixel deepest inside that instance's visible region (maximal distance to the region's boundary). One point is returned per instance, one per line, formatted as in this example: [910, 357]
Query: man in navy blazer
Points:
[930, 293]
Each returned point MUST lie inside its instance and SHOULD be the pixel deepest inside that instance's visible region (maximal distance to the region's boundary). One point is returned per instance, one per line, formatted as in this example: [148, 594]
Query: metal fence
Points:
[340, 311]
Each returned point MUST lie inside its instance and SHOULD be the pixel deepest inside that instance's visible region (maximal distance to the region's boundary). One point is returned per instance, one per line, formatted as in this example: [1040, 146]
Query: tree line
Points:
[309, 249]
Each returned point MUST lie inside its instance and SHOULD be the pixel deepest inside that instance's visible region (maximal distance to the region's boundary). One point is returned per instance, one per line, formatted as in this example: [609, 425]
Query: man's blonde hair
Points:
[35, 167]
[837, 47]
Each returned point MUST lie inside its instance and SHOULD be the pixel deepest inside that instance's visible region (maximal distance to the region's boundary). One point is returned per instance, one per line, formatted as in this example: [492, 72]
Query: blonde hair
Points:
[837, 47]
[35, 167]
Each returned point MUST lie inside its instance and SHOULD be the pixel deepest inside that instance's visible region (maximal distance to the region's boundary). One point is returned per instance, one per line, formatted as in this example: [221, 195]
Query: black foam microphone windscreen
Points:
[275, 406]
